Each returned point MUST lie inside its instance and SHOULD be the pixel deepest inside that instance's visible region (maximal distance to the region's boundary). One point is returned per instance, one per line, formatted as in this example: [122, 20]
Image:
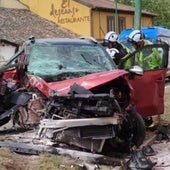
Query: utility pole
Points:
[137, 16]
[116, 17]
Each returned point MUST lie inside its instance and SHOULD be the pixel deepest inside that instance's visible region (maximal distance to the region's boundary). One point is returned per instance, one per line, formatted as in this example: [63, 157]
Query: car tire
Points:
[133, 130]
[132, 133]
[139, 129]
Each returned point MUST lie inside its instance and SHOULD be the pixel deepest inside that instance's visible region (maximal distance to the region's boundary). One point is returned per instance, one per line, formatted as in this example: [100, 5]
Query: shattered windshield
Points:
[54, 60]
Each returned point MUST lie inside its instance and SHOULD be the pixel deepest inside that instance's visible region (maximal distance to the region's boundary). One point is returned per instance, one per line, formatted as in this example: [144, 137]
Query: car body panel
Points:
[149, 92]
[89, 81]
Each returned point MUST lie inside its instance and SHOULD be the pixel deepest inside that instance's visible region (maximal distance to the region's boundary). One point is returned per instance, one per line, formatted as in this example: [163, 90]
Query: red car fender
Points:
[39, 83]
[132, 94]
[10, 77]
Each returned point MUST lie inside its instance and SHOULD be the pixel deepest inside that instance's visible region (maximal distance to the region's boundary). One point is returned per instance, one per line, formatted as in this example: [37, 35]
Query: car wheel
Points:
[139, 129]
[133, 130]
[132, 133]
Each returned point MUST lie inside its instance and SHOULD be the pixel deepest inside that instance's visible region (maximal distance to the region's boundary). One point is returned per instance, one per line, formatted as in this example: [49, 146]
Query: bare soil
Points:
[14, 161]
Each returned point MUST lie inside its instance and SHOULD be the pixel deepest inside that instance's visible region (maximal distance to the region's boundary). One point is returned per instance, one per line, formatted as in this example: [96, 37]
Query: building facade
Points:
[88, 18]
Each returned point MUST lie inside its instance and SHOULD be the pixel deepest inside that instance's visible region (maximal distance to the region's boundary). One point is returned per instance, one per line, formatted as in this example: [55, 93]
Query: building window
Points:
[122, 23]
[111, 23]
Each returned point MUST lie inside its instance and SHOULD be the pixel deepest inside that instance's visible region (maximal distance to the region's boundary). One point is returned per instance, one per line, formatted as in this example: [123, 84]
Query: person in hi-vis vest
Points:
[114, 46]
[149, 59]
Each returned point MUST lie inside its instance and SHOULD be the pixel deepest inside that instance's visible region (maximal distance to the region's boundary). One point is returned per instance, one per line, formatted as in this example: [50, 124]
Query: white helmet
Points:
[112, 52]
[110, 37]
[136, 36]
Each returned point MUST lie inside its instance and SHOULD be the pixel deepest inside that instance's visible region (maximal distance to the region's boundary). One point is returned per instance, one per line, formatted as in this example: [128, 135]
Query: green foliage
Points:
[159, 7]
[126, 2]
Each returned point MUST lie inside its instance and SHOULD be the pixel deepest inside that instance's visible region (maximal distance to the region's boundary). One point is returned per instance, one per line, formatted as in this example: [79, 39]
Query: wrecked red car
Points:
[73, 93]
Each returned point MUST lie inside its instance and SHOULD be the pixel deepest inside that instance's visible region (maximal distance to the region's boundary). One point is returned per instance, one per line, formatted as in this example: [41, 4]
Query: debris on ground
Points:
[153, 153]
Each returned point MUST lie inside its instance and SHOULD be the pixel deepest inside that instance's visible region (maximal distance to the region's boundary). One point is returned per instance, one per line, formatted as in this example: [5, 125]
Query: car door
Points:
[148, 88]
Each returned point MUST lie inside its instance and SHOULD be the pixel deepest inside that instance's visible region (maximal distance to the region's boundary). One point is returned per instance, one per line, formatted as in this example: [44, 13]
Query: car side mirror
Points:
[135, 71]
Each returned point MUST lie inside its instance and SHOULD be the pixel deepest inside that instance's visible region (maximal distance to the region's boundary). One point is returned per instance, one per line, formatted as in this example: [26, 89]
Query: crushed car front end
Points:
[75, 94]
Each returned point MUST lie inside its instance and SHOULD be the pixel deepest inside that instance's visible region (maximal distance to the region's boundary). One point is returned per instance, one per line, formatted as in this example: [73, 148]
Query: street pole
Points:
[116, 17]
[137, 16]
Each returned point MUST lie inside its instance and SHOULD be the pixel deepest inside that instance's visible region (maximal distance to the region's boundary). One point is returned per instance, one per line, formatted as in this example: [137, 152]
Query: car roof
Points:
[62, 41]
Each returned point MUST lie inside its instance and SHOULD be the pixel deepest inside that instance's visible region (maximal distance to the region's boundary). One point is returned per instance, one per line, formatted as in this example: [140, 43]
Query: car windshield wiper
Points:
[64, 76]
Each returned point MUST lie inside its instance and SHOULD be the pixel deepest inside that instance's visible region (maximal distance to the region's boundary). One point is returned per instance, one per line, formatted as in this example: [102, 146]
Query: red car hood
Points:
[88, 81]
